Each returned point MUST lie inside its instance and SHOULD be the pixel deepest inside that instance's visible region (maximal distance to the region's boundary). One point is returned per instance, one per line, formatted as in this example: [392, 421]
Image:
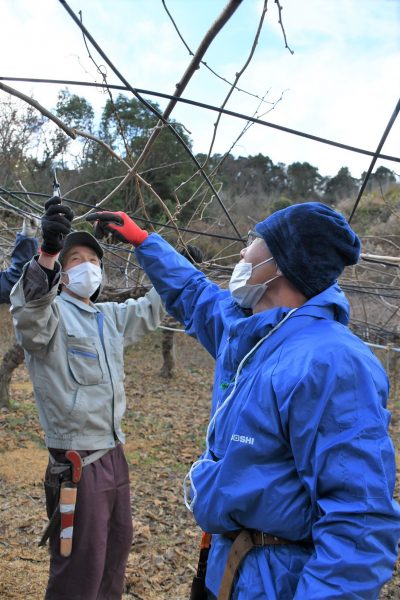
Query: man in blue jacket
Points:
[25, 247]
[296, 482]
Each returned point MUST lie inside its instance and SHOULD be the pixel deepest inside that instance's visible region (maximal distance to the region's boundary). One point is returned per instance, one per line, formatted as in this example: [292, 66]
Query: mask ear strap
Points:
[263, 262]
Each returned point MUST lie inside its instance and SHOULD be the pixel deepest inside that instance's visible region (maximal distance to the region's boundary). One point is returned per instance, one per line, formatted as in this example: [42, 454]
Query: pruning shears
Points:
[56, 185]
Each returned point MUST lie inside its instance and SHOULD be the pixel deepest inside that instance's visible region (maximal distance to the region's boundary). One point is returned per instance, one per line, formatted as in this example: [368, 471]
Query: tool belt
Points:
[58, 473]
[244, 540]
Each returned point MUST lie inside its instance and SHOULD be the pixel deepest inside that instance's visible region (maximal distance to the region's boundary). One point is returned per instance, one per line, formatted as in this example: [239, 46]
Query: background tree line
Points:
[250, 187]
[30, 147]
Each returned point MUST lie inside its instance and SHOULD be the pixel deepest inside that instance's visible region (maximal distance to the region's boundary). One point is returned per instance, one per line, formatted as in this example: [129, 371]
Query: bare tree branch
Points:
[9, 90]
[193, 66]
[280, 8]
[238, 75]
[102, 72]
[205, 64]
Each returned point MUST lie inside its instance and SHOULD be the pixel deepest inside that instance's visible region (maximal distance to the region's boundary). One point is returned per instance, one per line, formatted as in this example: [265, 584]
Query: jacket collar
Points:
[331, 303]
[78, 303]
[244, 332]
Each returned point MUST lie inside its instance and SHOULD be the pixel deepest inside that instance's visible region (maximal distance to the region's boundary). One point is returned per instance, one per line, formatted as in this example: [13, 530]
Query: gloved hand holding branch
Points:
[119, 224]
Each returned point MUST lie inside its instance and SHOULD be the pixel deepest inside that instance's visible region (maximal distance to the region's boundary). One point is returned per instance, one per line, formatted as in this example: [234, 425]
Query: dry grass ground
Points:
[165, 425]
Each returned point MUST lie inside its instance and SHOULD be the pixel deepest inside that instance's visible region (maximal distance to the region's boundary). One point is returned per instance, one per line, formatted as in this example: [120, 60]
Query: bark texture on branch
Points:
[113, 294]
[11, 360]
[168, 353]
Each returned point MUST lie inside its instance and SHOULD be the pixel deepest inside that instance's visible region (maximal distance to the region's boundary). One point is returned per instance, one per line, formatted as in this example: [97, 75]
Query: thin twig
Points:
[280, 8]
[103, 75]
[238, 75]
[192, 68]
[203, 62]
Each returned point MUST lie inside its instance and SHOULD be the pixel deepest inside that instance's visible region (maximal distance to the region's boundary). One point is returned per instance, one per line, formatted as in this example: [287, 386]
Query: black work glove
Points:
[56, 224]
[193, 254]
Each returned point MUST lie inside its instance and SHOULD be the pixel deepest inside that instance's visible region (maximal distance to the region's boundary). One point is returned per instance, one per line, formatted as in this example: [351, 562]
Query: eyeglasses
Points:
[251, 236]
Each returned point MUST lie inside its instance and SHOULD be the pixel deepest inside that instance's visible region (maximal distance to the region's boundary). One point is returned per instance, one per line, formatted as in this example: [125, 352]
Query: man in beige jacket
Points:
[74, 353]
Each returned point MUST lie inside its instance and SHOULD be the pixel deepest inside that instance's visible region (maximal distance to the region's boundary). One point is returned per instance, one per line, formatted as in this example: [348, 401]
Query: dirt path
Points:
[165, 425]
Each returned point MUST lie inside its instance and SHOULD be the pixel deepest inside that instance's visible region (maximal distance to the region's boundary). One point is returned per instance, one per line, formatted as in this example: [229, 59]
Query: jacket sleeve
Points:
[24, 249]
[35, 315]
[187, 294]
[136, 317]
[345, 458]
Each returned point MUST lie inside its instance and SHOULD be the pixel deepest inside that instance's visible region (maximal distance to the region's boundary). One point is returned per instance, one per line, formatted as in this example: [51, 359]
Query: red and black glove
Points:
[122, 227]
[56, 224]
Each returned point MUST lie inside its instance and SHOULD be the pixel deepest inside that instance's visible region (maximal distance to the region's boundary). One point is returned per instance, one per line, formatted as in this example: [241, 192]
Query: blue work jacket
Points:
[24, 249]
[298, 442]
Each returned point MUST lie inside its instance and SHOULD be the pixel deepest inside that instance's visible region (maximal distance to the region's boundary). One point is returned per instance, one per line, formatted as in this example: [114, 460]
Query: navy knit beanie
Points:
[311, 243]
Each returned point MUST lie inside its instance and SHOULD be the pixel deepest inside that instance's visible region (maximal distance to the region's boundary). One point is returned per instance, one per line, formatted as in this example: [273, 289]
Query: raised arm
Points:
[34, 314]
[25, 247]
[186, 292]
[136, 317]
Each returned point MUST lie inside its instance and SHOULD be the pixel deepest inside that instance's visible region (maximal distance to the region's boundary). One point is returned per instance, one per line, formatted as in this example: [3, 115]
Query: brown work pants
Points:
[102, 534]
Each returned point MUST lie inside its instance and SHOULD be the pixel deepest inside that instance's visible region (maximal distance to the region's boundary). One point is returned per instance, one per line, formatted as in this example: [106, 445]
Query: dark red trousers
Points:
[102, 534]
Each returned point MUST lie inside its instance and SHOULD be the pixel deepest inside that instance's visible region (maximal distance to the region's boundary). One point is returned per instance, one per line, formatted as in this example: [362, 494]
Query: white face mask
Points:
[246, 294]
[84, 279]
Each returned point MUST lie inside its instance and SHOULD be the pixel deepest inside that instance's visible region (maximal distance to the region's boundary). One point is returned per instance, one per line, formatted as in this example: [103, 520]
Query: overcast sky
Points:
[341, 83]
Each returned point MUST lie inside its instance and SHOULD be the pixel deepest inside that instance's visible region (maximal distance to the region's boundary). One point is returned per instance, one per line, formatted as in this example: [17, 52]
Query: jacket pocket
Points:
[84, 361]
